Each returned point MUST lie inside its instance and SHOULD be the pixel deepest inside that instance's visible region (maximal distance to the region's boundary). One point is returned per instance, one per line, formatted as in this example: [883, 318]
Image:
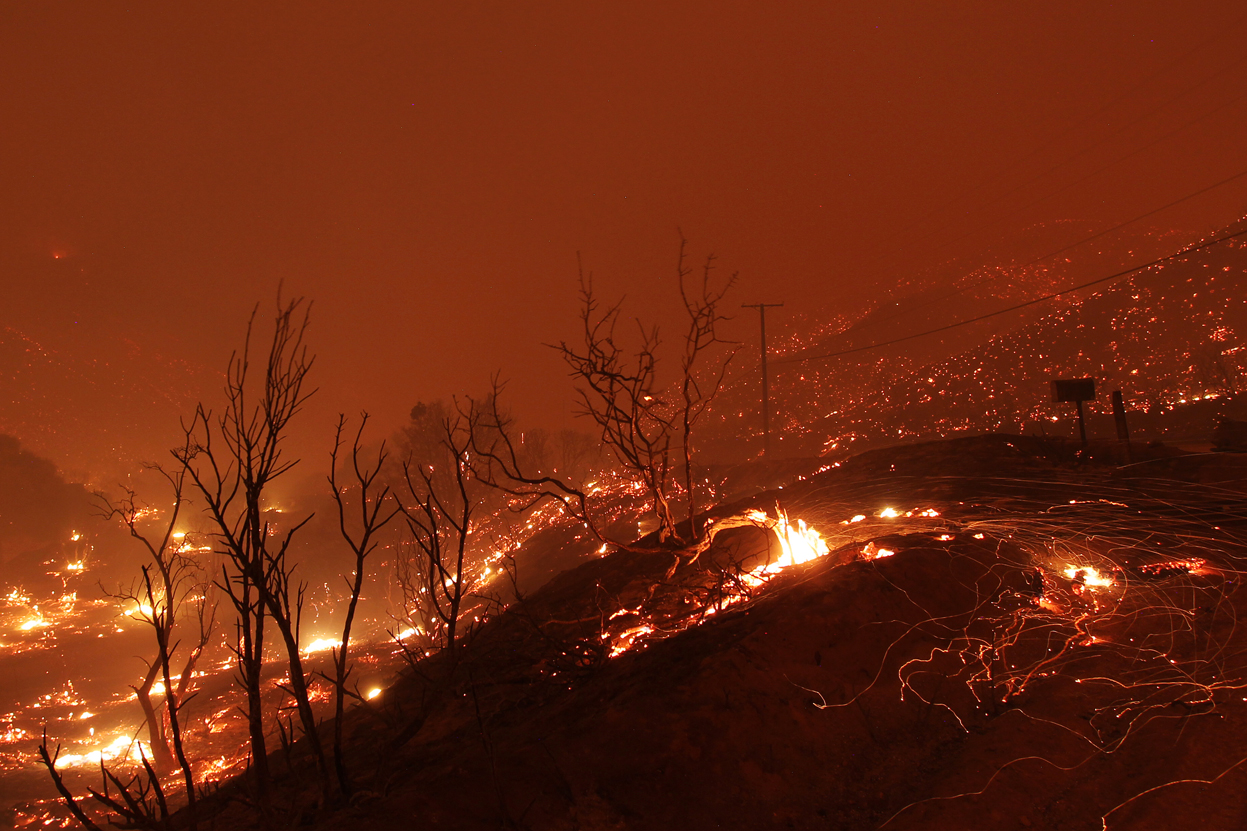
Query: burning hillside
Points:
[879, 622]
[974, 633]
[1166, 337]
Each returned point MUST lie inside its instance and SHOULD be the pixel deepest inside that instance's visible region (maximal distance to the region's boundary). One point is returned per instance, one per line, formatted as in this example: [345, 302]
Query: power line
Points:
[1082, 241]
[1187, 250]
[1057, 165]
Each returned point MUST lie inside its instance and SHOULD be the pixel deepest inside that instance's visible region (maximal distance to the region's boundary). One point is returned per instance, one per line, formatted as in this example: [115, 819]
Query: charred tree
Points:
[172, 585]
[232, 460]
[439, 518]
[373, 515]
[651, 432]
[701, 299]
[619, 392]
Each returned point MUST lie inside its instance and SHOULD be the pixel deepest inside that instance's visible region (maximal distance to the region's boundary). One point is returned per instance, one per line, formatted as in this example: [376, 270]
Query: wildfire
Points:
[892, 513]
[323, 645]
[798, 544]
[1087, 576]
[628, 638]
[122, 747]
[874, 552]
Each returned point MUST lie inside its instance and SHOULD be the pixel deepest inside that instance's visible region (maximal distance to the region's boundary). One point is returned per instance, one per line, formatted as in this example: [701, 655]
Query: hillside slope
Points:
[1024, 640]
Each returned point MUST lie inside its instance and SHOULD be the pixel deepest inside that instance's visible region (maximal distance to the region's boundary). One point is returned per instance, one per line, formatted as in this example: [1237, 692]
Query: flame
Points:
[889, 513]
[373, 693]
[322, 645]
[874, 552]
[800, 545]
[797, 545]
[122, 747]
[1088, 576]
[626, 640]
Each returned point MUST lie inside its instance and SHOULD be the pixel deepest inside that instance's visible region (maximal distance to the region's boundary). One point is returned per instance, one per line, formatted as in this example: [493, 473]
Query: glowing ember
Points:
[373, 693]
[889, 513]
[628, 639]
[1172, 567]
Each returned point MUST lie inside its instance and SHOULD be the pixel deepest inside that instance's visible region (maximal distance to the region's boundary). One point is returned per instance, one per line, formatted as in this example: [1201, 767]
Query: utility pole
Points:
[766, 393]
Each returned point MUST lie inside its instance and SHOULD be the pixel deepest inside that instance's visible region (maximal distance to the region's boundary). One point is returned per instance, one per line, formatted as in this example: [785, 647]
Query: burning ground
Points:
[1169, 337]
[984, 633]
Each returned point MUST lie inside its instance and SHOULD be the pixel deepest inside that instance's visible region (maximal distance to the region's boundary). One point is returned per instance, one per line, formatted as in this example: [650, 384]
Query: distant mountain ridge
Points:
[123, 400]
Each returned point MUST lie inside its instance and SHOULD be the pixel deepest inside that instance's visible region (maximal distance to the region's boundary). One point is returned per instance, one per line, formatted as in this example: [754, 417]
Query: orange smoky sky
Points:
[427, 172]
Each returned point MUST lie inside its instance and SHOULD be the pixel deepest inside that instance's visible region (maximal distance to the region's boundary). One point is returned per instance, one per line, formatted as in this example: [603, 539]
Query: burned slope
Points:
[996, 636]
[786, 709]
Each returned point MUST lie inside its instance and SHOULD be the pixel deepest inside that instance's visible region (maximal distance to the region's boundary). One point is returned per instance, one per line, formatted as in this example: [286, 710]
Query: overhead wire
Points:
[996, 218]
[1191, 123]
[1118, 275]
[1083, 241]
[1230, 28]
[1102, 140]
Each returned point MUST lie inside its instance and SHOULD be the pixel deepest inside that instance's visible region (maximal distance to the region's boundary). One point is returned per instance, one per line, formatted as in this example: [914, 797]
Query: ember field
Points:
[992, 633]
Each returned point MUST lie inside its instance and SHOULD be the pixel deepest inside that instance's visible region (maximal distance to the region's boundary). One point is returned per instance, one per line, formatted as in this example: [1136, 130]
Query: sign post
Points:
[1077, 390]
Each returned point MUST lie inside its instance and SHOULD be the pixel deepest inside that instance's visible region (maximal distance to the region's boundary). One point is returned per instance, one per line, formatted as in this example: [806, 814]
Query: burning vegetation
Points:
[614, 632]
